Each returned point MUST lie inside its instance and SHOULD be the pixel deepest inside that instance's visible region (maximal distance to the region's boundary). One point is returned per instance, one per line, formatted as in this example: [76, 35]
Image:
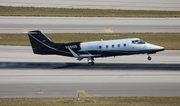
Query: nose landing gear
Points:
[149, 58]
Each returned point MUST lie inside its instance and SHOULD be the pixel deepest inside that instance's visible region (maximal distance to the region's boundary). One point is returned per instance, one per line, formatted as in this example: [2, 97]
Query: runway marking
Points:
[124, 75]
[97, 7]
[109, 31]
[27, 30]
[84, 93]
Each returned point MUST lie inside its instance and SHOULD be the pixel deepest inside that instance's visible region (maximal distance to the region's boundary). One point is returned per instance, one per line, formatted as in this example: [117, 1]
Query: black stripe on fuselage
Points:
[121, 52]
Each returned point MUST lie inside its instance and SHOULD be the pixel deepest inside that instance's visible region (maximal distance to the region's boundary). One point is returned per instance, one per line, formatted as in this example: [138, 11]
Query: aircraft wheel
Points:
[90, 63]
[149, 58]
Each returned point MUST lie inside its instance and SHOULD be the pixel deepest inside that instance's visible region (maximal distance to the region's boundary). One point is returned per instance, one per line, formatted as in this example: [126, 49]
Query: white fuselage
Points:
[118, 45]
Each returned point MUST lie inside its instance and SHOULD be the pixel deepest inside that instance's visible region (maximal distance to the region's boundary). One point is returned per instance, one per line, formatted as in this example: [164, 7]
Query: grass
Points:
[168, 40]
[92, 101]
[72, 12]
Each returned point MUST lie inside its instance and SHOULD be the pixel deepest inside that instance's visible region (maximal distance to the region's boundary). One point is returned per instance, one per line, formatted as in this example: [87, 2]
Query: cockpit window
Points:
[138, 42]
[142, 42]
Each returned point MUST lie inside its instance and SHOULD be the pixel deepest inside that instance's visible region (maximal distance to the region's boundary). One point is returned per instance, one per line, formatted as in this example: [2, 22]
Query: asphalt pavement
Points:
[24, 74]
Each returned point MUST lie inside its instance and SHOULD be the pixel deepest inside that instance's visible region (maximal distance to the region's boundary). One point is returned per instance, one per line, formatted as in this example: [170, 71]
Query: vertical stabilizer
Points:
[40, 42]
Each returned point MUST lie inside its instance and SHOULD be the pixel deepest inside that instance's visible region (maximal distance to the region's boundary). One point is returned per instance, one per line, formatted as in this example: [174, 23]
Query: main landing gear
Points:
[149, 58]
[90, 61]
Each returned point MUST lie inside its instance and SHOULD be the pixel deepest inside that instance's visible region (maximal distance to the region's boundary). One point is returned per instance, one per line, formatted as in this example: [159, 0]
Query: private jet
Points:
[42, 45]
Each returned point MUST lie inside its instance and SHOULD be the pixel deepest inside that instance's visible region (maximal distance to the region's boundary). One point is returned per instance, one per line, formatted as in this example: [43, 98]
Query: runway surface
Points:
[88, 24]
[24, 74]
[99, 4]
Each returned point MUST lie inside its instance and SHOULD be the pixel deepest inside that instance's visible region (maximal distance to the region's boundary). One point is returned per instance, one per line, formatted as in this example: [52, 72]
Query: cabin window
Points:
[124, 45]
[118, 45]
[112, 46]
[106, 46]
[100, 47]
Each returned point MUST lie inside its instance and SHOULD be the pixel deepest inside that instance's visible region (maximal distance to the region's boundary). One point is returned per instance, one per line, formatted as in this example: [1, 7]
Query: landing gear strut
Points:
[90, 61]
[149, 58]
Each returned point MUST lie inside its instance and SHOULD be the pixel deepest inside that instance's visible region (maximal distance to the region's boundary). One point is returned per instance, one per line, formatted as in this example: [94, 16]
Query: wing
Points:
[81, 56]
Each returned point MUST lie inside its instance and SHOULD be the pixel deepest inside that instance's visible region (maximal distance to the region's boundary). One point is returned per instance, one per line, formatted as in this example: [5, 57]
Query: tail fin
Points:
[40, 43]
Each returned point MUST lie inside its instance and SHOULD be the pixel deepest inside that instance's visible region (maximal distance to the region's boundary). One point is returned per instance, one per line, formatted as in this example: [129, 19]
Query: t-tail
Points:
[40, 43]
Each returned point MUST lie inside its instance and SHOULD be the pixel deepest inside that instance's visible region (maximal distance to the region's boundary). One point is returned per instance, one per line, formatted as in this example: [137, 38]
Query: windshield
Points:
[138, 42]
